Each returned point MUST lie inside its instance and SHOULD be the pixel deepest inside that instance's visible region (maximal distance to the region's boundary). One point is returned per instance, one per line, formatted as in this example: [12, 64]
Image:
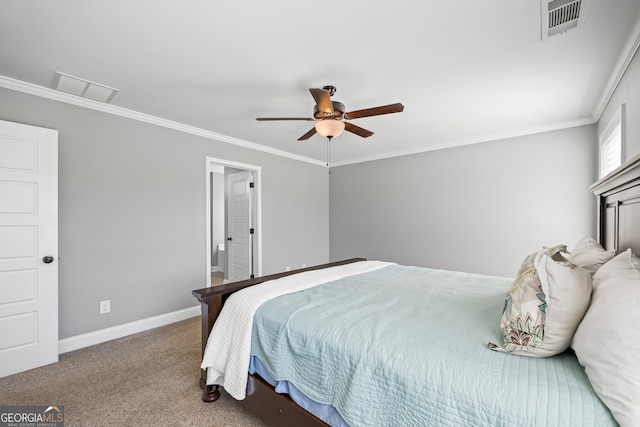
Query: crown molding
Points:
[621, 67]
[43, 92]
[480, 139]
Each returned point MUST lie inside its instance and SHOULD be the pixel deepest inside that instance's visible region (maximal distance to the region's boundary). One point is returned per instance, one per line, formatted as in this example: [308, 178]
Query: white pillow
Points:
[607, 342]
[568, 294]
[544, 307]
[589, 254]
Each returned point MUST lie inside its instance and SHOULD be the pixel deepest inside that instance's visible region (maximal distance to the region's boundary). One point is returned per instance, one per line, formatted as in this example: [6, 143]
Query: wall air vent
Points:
[560, 16]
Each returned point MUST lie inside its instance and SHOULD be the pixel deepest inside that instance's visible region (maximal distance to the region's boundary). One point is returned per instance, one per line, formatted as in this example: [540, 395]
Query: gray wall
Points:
[628, 93]
[478, 208]
[132, 212]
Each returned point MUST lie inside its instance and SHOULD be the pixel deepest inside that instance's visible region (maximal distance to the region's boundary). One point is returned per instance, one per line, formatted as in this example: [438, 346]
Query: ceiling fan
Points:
[329, 114]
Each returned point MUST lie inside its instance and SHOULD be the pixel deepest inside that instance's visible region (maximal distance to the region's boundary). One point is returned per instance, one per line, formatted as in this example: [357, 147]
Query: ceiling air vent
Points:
[560, 16]
[81, 87]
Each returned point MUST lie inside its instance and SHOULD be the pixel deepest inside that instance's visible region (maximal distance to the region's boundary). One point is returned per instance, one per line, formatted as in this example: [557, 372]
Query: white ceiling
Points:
[466, 71]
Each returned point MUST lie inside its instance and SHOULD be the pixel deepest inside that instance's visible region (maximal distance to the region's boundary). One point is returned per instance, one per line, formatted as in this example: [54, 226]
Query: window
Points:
[611, 143]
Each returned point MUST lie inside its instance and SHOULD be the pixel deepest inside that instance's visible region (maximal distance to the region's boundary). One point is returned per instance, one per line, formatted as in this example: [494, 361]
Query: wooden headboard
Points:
[618, 197]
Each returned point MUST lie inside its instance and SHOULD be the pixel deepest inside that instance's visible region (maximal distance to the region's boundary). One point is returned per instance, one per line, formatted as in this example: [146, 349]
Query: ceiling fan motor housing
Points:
[336, 114]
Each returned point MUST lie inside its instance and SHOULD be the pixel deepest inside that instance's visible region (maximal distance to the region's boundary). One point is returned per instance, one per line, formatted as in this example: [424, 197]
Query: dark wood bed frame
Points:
[618, 198]
[274, 408]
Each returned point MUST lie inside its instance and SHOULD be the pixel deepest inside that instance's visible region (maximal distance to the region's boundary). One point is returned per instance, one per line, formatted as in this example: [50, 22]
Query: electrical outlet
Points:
[287, 269]
[304, 265]
[105, 306]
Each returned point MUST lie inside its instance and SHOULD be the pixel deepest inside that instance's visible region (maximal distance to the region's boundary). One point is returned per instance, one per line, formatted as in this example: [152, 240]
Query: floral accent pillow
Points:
[556, 253]
[544, 305]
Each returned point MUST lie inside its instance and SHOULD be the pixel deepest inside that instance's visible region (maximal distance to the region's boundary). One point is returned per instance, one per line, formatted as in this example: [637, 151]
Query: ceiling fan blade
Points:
[375, 111]
[323, 100]
[265, 119]
[308, 134]
[357, 130]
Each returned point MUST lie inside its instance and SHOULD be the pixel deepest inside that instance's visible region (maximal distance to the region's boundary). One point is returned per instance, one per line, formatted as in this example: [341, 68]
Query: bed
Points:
[457, 357]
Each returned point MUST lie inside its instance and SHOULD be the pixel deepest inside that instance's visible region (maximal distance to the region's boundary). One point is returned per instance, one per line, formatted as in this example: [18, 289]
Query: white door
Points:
[239, 241]
[28, 247]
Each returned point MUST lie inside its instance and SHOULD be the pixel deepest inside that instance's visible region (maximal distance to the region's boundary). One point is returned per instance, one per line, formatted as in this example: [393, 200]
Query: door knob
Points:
[229, 239]
[48, 259]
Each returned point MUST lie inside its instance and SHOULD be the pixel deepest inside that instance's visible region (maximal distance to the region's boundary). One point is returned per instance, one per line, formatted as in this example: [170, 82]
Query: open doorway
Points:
[234, 221]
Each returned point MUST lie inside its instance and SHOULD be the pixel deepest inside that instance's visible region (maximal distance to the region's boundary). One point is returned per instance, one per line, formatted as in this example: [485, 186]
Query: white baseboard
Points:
[91, 338]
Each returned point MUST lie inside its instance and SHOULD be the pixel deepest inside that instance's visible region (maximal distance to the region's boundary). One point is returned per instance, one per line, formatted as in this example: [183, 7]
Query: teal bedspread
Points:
[404, 346]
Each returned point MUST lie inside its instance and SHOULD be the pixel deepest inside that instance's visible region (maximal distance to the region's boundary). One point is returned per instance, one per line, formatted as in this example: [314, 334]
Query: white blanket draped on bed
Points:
[228, 350]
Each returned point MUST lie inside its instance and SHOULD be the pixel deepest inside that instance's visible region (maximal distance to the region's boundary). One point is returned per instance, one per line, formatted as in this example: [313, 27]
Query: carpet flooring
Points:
[147, 379]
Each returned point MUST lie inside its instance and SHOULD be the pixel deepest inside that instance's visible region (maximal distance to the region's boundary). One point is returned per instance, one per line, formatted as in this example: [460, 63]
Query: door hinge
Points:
[251, 185]
[251, 231]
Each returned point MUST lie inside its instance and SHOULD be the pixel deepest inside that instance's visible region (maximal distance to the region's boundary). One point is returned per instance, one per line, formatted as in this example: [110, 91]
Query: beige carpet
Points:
[146, 379]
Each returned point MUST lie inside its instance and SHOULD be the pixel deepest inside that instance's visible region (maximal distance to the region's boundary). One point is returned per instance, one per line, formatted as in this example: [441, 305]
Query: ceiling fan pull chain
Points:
[328, 152]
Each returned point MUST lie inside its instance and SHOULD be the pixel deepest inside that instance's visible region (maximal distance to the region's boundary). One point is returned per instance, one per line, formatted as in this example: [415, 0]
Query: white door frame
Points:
[212, 164]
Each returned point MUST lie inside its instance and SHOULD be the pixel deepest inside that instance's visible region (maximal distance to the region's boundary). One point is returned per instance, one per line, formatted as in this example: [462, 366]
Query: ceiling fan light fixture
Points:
[329, 128]
[328, 116]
